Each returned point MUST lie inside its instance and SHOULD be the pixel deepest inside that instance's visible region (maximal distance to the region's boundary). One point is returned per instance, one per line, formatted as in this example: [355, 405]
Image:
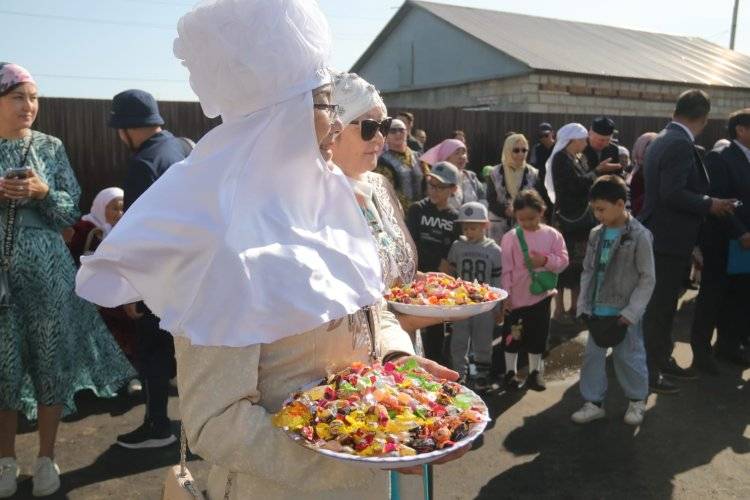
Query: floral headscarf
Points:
[11, 75]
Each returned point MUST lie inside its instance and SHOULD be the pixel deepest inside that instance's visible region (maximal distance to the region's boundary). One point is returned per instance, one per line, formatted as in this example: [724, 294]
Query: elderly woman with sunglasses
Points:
[506, 180]
[399, 163]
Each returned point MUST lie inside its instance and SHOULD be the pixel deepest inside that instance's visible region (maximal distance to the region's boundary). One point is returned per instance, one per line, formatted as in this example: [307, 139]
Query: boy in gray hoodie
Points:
[617, 281]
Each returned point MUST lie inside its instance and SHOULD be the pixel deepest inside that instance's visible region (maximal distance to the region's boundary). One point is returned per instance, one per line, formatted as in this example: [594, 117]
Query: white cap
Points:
[472, 211]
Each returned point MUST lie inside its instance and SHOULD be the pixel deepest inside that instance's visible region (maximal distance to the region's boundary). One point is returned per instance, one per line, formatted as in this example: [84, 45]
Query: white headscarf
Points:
[566, 134]
[98, 214]
[252, 238]
[355, 96]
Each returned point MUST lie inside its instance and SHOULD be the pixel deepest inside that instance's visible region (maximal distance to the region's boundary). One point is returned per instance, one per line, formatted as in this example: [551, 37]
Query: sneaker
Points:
[536, 381]
[512, 382]
[134, 386]
[147, 435]
[660, 385]
[634, 414]
[8, 477]
[46, 477]
[672, 369]
[588, 412]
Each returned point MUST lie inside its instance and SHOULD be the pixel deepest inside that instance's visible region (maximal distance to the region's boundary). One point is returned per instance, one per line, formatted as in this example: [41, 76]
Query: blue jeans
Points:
[630, 367]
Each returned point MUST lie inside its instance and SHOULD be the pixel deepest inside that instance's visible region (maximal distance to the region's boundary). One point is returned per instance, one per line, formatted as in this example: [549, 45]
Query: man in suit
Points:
[723, 297]
[675, 205]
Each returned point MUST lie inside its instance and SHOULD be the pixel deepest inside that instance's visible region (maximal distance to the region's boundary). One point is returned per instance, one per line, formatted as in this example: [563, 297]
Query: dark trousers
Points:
[657, 322]
[434, 343]
[735, 331]
[710, 306]
[156, 366]
[535, 328]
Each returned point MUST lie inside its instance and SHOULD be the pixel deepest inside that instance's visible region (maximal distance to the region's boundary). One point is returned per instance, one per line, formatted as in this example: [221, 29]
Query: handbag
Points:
[179, 484]
[582, 223]
[10, 233]
[541, 281]
[607, 331]
[738, 259]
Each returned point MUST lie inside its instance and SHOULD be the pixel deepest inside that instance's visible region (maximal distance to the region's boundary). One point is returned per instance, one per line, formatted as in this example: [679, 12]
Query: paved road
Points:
[695, 445]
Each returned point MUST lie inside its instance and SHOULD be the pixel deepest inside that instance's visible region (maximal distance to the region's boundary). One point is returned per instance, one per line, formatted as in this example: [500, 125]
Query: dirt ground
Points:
[695, 445]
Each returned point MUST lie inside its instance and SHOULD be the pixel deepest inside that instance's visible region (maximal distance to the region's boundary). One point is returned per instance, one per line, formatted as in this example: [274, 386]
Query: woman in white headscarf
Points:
[254, 252]
[106, 210]
[568, 182]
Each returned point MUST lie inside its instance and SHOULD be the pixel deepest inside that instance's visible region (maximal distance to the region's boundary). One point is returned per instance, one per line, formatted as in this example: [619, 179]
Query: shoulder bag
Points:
[10, 233]
[541, 281]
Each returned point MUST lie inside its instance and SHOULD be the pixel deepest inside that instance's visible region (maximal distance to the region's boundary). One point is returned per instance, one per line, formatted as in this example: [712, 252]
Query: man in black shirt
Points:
[600, 152]
[432, 224]
[135, 115]
[540, 154]
[411, 141]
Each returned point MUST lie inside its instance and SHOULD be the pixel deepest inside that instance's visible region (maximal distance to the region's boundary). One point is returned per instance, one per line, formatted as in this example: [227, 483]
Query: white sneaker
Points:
[8, 477]
[46, 477]
[634, 415]
[134, 386]
[588, 412]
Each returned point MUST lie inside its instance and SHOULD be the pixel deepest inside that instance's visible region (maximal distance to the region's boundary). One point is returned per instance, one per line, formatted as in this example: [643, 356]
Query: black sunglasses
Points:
[520, 150]
[368, 128]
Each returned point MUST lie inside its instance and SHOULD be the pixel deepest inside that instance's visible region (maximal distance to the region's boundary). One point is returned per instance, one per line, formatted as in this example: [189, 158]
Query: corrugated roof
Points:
[575, 47]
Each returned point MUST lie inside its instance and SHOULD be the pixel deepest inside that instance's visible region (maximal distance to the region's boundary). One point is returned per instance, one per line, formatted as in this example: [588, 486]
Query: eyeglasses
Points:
[520, 150]
[333, 109]
[368, 128]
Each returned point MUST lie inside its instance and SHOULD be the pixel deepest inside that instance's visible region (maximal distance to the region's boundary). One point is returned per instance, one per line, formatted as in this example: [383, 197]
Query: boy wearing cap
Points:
[432, 225]
[601, 155]
[474, 256]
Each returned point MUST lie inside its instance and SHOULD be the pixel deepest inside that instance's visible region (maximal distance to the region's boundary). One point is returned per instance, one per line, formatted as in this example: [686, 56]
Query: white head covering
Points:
[564, 136]
[98, 214]
[355, 96]
[250, 239]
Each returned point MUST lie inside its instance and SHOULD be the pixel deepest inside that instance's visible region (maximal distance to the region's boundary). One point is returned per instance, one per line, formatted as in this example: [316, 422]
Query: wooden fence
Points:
[99, 158]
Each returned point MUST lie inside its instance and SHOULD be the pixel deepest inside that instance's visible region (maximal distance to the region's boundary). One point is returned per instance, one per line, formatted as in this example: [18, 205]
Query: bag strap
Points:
[90, 239]
[524, 249]
[183, 451]
[10, 220]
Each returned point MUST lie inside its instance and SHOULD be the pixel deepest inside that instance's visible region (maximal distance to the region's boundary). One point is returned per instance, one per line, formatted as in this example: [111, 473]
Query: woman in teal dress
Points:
[52, 343]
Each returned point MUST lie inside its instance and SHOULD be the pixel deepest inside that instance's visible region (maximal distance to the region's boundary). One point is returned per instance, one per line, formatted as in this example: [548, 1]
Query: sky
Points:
[96, 48]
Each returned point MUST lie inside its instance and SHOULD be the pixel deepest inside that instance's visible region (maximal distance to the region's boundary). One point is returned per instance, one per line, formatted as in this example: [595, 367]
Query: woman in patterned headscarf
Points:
[53, 343]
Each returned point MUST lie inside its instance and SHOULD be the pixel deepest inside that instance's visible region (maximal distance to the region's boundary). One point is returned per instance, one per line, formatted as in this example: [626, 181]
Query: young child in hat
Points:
[474, 256]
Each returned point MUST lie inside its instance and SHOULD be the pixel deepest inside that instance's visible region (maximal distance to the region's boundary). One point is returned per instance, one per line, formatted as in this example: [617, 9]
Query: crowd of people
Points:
[194, 287]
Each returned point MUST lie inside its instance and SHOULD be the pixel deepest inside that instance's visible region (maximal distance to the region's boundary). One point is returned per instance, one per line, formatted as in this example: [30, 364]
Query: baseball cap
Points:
[445, 172]
[473, 211]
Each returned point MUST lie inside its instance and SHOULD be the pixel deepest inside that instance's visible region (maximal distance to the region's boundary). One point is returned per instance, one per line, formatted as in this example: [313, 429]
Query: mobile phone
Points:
[737, 204]
[18, 173]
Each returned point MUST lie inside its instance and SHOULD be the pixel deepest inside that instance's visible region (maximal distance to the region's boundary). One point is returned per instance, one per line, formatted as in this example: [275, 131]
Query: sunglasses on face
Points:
[332, 109]
[368, 128]
[520, 150]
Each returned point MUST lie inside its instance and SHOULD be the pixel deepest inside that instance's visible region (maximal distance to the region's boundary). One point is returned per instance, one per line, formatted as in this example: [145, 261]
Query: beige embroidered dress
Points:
[227, 397]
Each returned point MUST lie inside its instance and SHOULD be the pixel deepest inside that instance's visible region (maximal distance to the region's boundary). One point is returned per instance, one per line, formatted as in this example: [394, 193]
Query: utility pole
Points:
[734, 24]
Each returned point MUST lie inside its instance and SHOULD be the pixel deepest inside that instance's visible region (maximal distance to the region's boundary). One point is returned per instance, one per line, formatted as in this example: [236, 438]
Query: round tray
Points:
[475, 430]
[449, 312]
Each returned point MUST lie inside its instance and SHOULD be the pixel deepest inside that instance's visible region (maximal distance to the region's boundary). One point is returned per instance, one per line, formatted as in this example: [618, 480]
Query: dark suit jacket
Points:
[676, 200]
[735, 183]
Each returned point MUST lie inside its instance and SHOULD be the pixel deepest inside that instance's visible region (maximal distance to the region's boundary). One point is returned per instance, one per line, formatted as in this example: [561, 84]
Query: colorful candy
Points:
[441, 290]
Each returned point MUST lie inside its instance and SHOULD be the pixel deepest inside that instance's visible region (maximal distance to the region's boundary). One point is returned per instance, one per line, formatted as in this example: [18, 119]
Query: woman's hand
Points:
[31, 187]
[537, 260]
[411, 323]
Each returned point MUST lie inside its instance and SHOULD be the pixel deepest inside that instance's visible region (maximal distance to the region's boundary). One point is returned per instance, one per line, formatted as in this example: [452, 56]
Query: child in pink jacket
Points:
[527, 324]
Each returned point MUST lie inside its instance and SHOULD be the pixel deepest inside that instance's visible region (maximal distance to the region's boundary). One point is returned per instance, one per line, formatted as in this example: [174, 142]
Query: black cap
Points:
[603, 125]
[545, 127]
[133, 109]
